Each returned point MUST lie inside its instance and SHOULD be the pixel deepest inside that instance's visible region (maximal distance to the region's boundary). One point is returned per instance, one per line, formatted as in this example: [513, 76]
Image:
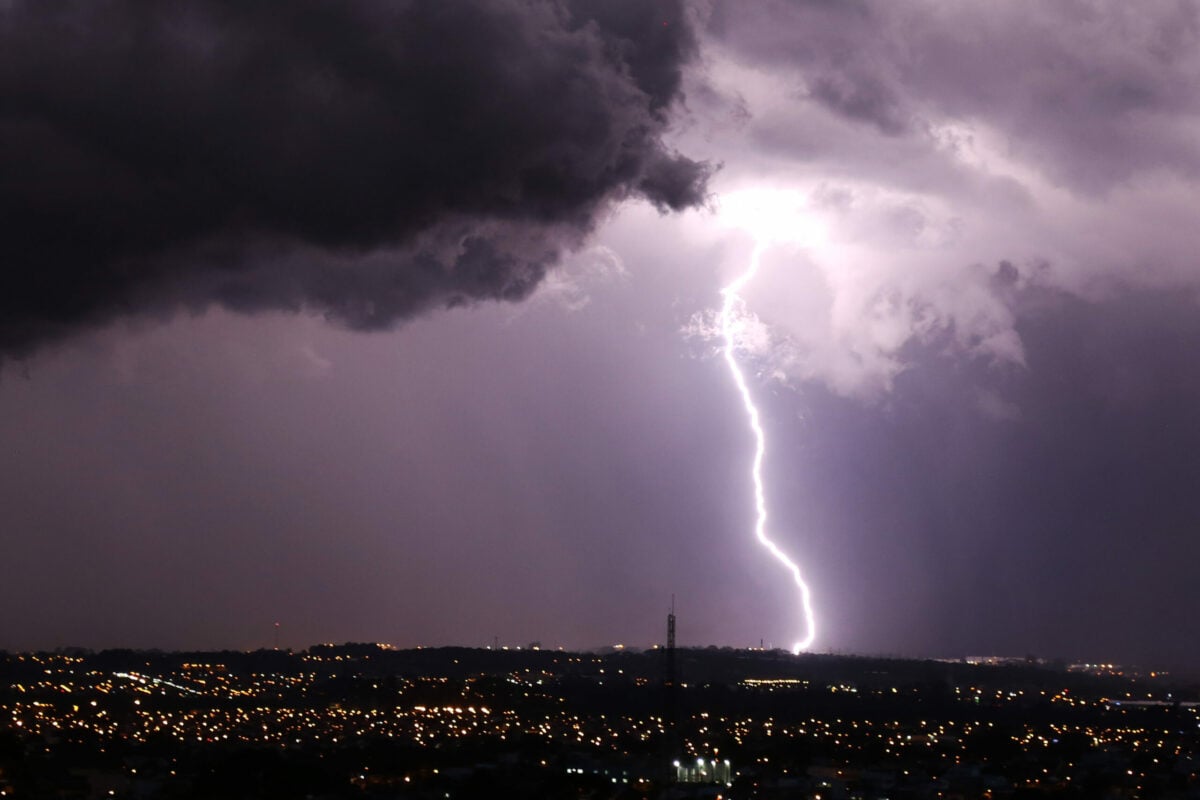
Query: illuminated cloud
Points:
[956, 159]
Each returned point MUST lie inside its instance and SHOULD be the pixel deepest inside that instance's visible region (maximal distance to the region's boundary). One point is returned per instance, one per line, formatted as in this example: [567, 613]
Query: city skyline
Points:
[403, 325]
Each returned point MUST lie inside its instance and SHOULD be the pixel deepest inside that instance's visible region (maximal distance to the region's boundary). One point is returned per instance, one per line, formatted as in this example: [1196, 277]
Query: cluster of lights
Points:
[65, 700]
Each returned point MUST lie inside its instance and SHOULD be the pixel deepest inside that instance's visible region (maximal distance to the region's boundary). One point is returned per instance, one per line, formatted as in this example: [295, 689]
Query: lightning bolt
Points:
[731, 301]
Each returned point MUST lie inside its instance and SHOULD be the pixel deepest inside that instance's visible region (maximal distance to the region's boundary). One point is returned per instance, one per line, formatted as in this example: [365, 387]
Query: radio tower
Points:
[671, 647]
[670, 689]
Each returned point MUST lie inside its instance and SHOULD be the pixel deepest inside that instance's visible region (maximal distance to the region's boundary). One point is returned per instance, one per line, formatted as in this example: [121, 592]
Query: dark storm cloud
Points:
[364, 159]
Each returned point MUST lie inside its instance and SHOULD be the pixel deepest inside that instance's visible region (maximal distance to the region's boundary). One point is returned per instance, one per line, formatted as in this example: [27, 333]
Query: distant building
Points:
[701, 771]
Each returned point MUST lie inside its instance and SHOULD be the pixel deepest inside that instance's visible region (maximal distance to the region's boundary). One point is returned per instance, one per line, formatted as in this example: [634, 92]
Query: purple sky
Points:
[234, 393]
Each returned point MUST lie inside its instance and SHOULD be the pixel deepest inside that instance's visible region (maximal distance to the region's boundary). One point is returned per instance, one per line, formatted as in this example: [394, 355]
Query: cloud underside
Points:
[965, 162]
[363, 159]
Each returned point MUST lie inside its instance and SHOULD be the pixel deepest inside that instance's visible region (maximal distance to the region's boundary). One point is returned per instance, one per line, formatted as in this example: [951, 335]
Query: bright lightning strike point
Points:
[731, 301]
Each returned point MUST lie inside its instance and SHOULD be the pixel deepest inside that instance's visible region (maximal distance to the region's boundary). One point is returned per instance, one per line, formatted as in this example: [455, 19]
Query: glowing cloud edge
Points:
[730, 299]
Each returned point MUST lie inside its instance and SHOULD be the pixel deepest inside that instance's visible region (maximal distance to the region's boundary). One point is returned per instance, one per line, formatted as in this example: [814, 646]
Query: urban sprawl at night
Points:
[370, 721]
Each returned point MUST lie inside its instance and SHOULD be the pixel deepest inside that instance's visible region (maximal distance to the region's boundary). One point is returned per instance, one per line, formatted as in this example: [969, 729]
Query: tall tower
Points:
[670, 695]
[671, 677]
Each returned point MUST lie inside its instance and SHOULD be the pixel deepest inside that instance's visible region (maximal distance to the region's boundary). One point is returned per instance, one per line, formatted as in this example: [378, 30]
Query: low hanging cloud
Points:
[363, 159]
[964, 162]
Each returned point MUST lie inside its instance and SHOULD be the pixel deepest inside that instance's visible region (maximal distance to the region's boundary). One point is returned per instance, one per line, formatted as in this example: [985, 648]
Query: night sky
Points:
[396, 321]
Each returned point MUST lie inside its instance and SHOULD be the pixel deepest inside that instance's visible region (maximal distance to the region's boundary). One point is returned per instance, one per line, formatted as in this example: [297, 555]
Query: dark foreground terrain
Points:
[366, 721]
